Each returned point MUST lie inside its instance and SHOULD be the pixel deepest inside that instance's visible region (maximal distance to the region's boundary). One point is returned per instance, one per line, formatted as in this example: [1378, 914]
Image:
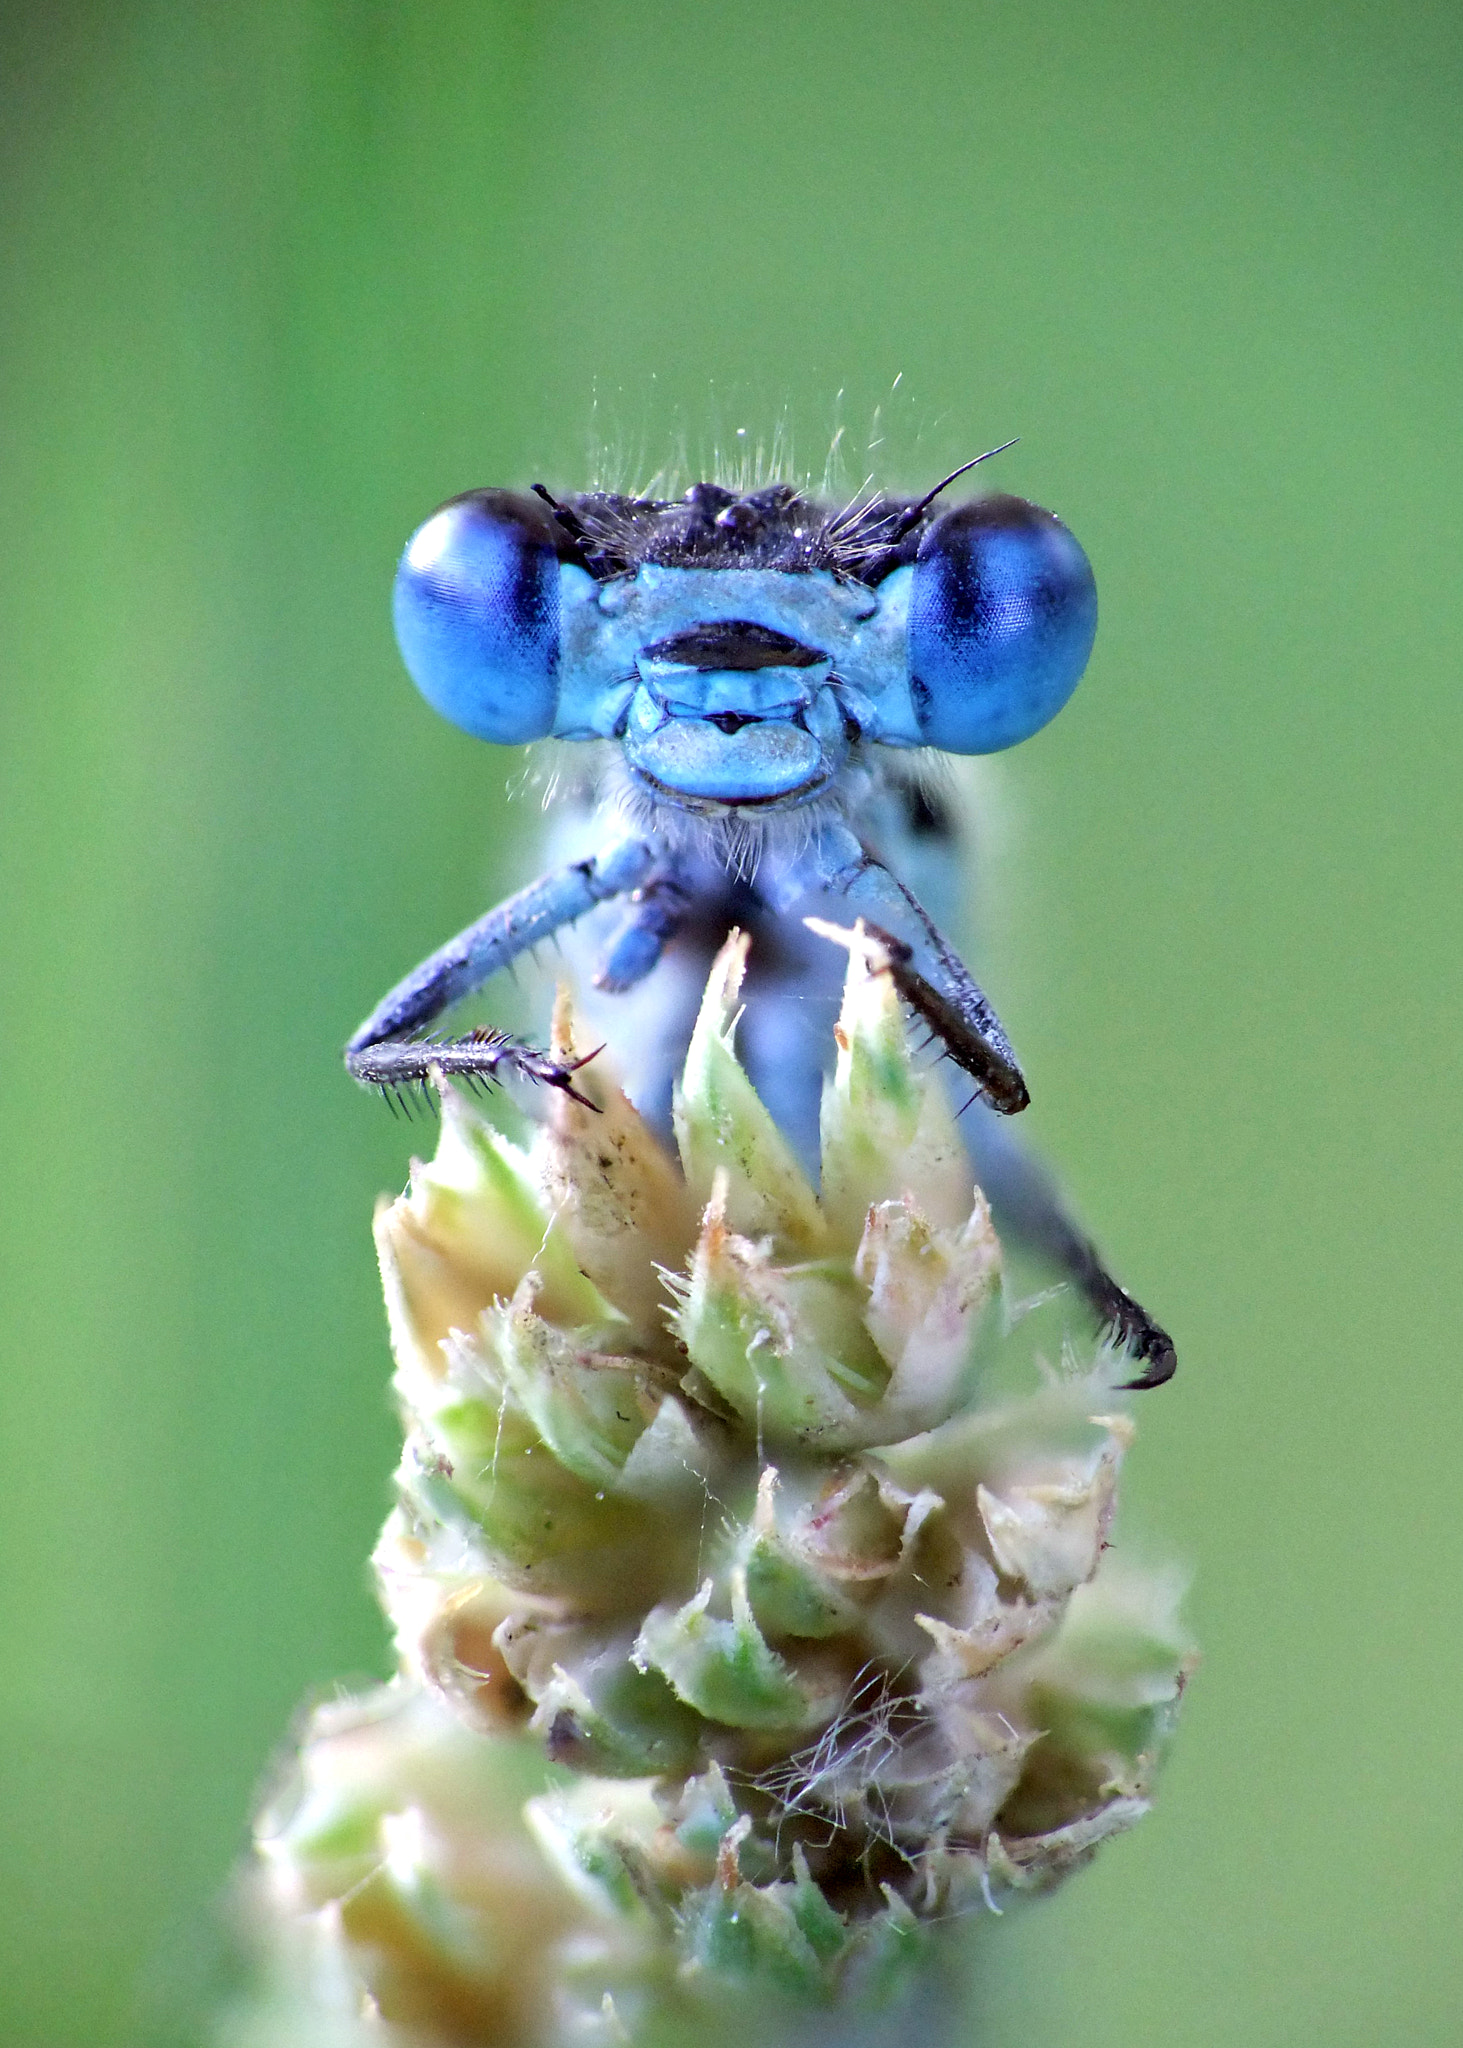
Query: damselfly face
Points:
[742, 649]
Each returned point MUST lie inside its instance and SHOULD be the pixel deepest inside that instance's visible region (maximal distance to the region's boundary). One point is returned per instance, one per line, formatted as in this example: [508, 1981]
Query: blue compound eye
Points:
[477, 615]
[1002, 615]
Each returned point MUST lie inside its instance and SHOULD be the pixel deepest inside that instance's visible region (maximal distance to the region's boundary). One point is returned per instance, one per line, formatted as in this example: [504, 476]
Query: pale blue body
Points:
[794, 981]
[753, 675]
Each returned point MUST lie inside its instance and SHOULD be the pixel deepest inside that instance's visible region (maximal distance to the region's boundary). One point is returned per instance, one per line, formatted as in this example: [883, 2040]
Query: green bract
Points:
[742, 1638]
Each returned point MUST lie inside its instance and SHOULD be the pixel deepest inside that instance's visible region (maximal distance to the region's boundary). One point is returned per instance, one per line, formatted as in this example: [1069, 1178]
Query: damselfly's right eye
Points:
[1002, 615]
[477, 614]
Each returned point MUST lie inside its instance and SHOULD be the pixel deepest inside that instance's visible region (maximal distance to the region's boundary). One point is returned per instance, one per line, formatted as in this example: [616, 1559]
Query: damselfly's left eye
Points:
[477, 615]
[1002, 615]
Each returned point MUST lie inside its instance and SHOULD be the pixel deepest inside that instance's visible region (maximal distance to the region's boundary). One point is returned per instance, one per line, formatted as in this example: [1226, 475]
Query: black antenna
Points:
[570, 523]
[907, 521]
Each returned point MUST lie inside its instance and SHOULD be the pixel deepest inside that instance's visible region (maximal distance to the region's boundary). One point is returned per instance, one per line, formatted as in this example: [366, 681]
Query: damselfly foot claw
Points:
[1129, 1324]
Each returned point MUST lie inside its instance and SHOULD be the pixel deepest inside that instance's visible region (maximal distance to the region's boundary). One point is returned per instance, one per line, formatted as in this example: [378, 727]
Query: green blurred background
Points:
[280, 276]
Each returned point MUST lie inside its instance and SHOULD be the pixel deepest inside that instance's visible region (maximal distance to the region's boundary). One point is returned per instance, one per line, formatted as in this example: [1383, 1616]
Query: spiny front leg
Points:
[928, 972]
[1020, 1191]
[389, 1050]
[969, 1030]
[484, 1054]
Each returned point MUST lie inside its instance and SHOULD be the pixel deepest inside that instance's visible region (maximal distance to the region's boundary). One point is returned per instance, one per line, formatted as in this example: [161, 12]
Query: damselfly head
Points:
[741, 648]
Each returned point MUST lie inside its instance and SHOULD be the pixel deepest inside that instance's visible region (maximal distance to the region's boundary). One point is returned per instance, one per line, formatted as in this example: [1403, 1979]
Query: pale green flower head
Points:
[710, 1504]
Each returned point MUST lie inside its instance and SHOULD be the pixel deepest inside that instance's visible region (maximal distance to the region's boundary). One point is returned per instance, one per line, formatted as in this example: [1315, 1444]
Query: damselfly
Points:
[757, 681]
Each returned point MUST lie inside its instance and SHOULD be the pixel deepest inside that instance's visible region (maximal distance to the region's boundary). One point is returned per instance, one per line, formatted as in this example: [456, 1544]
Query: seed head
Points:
[746, 1634]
